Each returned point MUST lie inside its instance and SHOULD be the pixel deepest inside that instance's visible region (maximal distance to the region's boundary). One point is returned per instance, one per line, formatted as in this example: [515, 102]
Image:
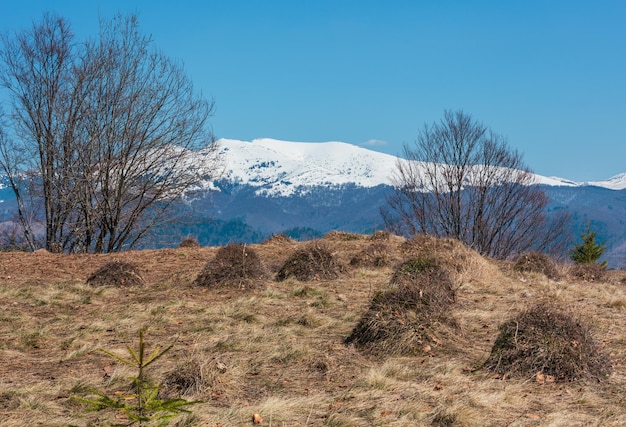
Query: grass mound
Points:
[374, 254]
[314, 262]
[536, 262]
[546, 342]
[189, 242]
[463, 263]
[116, 273]
[589, 272]
[412, 316]
[234, 265]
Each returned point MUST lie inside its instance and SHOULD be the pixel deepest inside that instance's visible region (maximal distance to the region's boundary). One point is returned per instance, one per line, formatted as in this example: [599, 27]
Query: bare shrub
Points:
[116, 273]
[189, 242]
[536, 262]
[234, 265]
[411, 316]
[548, 341]
[314, 262]
[589, 272]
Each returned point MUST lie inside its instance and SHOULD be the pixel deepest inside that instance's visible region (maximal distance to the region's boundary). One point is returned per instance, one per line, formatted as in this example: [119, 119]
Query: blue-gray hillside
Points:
[605, 209]
[239, 213]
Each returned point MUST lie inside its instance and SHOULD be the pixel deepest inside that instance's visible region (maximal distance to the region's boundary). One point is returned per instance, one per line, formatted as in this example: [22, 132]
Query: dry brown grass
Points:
[465, 264]
[278, 350]
[588, 272]
[376, 253]
[537, 262]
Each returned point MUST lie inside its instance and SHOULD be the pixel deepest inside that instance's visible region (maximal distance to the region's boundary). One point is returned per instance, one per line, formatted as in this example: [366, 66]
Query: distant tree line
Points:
[98, 136]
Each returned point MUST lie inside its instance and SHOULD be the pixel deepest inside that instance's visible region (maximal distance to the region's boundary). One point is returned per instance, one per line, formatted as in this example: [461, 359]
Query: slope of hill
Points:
[278, 349]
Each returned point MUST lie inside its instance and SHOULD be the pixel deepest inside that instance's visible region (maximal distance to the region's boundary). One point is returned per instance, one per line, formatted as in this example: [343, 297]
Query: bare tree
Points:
[37, 68]
[109, 133]
[461, 180]
[17, 231]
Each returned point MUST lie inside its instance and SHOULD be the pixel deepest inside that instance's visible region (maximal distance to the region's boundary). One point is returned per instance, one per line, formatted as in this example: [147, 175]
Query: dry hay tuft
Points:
[545, 341]
[464, 263]
[412, 316]
[588, 272]
[380, 235]
[536, 262]
[187, 378]
[116, 273]
[234, 265]
[314, 262]
[189, 242]
[374, 254]
[342, 236]
[278, 239]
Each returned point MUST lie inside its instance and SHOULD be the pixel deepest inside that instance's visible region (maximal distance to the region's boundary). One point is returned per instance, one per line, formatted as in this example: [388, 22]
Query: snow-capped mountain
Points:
[281, 168]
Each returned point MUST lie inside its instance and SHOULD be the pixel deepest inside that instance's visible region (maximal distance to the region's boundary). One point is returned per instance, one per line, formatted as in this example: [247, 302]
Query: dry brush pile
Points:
[411, 316]
[547, 342]
[235, 266]
[116, 273]
[314, 262]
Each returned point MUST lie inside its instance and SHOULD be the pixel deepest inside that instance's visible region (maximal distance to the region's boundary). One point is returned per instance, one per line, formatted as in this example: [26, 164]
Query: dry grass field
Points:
[277, 348]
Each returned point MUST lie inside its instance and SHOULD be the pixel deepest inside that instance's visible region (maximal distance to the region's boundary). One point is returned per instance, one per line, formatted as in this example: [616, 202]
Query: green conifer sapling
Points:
[589, 251]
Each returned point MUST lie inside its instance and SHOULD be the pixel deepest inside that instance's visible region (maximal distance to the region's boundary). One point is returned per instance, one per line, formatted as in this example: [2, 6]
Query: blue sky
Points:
[549, 75]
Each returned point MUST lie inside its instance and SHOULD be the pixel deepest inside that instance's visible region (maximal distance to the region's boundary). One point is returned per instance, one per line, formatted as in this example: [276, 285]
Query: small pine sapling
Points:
[141, 405]
[589, 251]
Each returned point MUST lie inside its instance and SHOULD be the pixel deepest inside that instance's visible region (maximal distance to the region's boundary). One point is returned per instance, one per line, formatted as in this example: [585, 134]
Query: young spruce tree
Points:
[589, 251]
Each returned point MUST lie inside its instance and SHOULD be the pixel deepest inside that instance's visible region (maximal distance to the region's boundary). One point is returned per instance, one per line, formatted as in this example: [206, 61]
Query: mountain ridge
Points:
[280, 168]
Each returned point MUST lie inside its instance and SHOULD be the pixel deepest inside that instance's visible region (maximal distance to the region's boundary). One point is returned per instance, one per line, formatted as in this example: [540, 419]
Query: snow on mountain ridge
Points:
[618, 182]
[282, 168]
